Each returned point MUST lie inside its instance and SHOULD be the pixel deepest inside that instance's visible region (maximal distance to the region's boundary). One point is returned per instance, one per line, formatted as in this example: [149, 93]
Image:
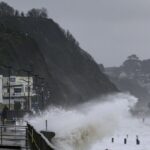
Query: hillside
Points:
[71, 74]
[133, 76]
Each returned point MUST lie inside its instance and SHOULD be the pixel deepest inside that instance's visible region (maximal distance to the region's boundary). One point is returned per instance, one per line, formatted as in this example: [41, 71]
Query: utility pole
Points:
[28, 104]
[42, 92]
[28, 101]
[39, 86]
[36, 88]
[9, 73]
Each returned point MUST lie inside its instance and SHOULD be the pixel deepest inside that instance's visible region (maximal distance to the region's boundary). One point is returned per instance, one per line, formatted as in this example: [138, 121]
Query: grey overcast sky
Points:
[110, 30]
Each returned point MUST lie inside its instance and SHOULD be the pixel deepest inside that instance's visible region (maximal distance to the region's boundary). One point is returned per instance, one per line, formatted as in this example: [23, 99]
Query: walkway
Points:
[13, 137]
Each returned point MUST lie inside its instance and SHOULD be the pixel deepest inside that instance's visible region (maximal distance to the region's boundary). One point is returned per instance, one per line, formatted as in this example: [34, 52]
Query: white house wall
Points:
[1, 89]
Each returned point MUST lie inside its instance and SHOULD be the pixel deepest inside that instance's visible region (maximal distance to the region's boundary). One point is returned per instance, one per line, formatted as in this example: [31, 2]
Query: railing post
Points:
[15, 129]
[32, 136]
[1, 135]
[26, 138]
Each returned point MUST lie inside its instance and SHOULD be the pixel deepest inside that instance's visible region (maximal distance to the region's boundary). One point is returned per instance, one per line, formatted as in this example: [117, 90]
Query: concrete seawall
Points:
[40, 140]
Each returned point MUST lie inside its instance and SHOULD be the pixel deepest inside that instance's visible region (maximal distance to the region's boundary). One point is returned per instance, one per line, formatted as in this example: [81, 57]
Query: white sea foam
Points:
[80, 127]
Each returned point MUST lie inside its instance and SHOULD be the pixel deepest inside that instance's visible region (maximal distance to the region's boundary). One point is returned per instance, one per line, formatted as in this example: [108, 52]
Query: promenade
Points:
[13, 136]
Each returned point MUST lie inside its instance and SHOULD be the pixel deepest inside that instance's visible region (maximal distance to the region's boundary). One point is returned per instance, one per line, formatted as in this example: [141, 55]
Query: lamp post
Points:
[9, 73]
[39, 89]
[28, 104]
[42, 92]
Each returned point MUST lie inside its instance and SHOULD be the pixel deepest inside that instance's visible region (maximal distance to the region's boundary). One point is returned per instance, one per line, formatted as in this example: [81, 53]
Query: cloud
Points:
[102, 27]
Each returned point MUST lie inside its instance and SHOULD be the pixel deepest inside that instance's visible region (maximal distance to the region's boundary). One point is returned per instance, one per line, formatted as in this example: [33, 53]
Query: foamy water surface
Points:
[92, 125]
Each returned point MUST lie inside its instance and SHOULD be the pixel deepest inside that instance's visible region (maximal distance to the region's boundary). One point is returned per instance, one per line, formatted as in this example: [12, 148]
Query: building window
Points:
[26, 89]
[17, 90]
[12, 79]
[8, 90]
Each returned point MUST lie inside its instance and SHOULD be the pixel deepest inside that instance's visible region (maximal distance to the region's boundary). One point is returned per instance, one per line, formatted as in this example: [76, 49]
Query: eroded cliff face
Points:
[71, 74]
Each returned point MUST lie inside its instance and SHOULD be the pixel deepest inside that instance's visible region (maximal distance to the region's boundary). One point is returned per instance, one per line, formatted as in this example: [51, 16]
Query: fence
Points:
[15, 114]
[37, 140]
[13, 137]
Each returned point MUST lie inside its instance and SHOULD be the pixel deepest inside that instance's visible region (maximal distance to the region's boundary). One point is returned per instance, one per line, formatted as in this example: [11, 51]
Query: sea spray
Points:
[80, 127]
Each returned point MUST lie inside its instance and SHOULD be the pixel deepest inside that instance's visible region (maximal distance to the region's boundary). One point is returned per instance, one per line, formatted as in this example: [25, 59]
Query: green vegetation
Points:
[6, 10]
[34, 42]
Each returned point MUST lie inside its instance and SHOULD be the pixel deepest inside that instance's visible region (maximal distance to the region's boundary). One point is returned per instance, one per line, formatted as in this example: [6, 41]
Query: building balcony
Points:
[17, 94]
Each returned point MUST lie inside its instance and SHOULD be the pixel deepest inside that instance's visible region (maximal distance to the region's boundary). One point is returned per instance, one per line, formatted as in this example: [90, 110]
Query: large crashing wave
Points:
[80, 127]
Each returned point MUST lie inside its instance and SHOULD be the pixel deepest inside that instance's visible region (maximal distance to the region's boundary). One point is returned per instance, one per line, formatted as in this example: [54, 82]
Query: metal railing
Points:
[13, 137]
[23, 137]
[11, 114]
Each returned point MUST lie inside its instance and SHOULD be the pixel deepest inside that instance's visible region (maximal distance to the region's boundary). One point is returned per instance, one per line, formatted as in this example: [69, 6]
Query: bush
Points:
[6, 10]
[42, 13]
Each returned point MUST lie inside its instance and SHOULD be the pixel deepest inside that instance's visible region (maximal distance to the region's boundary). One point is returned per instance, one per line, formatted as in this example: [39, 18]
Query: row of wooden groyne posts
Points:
[25, 137]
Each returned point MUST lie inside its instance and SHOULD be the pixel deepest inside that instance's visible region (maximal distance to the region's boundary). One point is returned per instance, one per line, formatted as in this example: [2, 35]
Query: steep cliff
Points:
[71, 74]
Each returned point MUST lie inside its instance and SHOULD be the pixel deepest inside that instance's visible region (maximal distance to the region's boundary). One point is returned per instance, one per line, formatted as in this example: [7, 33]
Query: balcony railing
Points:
[17, 94]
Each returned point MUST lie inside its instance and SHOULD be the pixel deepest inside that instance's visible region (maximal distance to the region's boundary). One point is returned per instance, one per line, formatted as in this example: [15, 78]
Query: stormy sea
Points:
[105, 123]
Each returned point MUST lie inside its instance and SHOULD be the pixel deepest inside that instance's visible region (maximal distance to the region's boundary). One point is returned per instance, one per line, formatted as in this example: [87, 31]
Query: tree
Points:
[101, 66]
[33, 13]
[133, 57]
[132, 64]
[42, 13]
[6, 10]
[71, 38]
[22, 14]
[17, 13]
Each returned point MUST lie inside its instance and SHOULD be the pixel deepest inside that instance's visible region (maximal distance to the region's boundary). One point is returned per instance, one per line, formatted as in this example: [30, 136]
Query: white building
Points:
[1, 87]
[19, 91]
